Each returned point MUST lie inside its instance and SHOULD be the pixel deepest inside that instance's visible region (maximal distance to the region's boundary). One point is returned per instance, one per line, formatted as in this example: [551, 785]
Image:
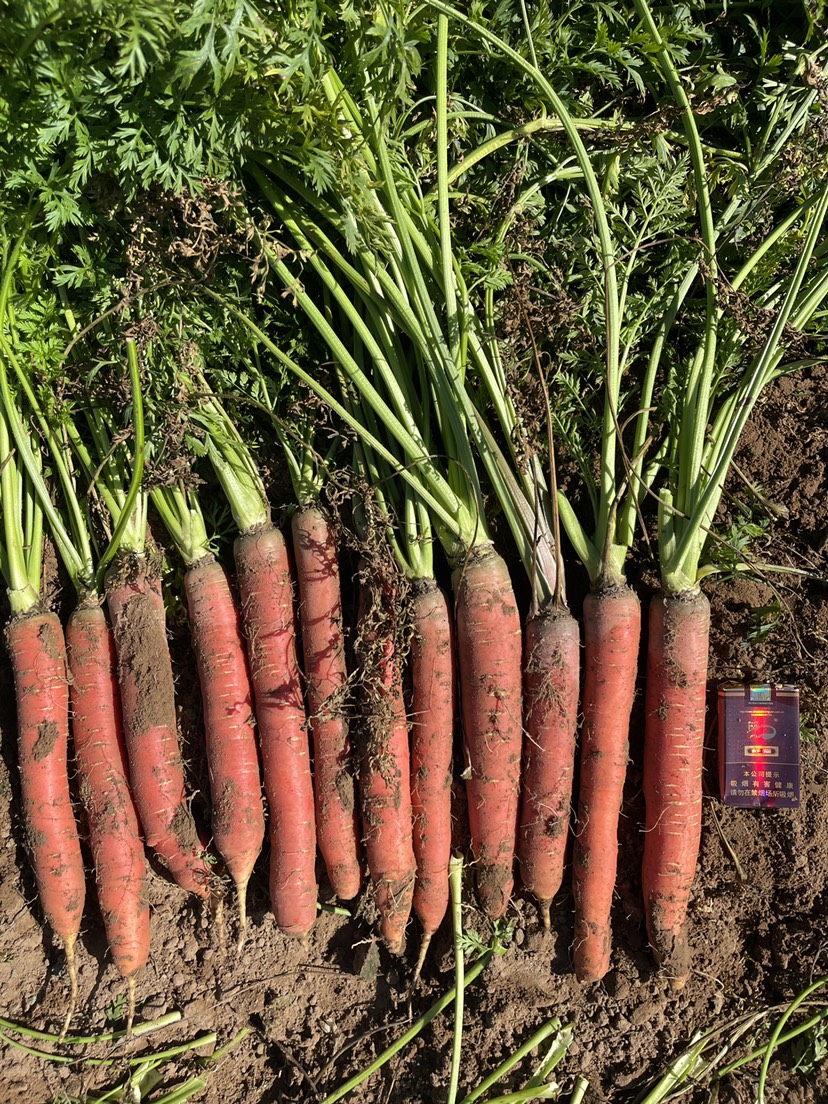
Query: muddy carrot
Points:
[320, 616]
[114, 834]
[612, 621]
[431, 664]
[385, 786]
[489, 657]
[267, 604]
[145, 680]
[677, 657]
[551, 685]
[229, 723]
[38, 656]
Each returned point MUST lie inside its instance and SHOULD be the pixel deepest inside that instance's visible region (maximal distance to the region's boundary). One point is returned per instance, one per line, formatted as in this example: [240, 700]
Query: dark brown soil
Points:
[757, 939]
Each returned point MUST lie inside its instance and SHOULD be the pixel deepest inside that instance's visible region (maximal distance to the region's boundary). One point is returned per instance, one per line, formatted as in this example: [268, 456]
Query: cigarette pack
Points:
[759, 745]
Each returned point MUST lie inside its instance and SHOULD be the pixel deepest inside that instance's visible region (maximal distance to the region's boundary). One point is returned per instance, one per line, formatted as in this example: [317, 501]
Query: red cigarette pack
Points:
[759, 762]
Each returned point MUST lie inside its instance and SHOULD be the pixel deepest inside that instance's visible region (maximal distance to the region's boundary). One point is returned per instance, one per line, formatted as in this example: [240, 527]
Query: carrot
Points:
[145, 681]
[385, 770]
[266, 590]
[612, 625]
[431, 664]
[38, 656]
[114, 834]
[550, 685]
[489, 657]
[229, 723]
[320, 617]
[673, 749]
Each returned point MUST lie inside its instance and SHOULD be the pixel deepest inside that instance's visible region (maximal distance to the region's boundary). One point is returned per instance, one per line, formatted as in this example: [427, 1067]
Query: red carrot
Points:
[431, 664]
[489, 656]
[612, 625]
[385, 785]
[673, 750]
[551, 685]
[229, 723]
[266, 590]
[320, 617]
[38, 656]
[145, 681]
[114, 834]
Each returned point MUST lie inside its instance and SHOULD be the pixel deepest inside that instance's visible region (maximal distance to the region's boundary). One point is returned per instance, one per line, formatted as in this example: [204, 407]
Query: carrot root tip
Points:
[395, 945]
[221, 927]
[130, 1005]
[672, 955]
[72, 967]
[544, 908]
[418, 969]
[241, 892]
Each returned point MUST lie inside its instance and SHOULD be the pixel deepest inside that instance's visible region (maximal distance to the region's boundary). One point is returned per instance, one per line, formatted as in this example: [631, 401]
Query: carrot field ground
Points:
[315, 317]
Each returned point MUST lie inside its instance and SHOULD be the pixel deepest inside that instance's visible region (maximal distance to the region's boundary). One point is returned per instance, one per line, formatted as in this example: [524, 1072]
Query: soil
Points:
[321, 1010]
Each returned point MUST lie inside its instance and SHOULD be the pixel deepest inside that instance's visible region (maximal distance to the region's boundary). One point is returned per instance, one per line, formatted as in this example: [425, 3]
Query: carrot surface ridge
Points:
[612, 628]
[145, 682]
[551, 684]
[326, 677]
[676, 693]
[431, 663]
[267, 604]
[385, 773]
[38, 657]
[114, 833]
[489, 657]
[229, 722]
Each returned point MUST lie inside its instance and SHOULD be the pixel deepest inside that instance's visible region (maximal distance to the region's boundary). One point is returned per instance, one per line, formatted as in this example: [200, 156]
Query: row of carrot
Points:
[245, 644]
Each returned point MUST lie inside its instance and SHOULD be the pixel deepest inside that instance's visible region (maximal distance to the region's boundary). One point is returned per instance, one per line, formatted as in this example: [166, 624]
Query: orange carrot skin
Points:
[551, 684]
[320, 615]
[266, 590]
[612, 629]
[145, 683]
[229, 722]
[673, 751]
[38, 656]
[489, 657]
[385, 776]
[431, 663]
[114, 834]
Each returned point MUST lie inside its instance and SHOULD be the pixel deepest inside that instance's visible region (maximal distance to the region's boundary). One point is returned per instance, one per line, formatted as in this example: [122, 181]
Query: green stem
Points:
[608, 260]
[22, 596]
[138, 1030]
[579, 1090]
[677, 570]
[427, 482]
[539, 1037]
[415, 1029]
[456, 886]
[181, 515]
[524, 1096]
[697, 395]
[126, 511]
[783, 1040]
[773, 1042]
[443, 216]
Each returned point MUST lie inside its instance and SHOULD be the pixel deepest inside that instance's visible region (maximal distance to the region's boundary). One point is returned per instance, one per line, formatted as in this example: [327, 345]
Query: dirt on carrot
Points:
[143, 658]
